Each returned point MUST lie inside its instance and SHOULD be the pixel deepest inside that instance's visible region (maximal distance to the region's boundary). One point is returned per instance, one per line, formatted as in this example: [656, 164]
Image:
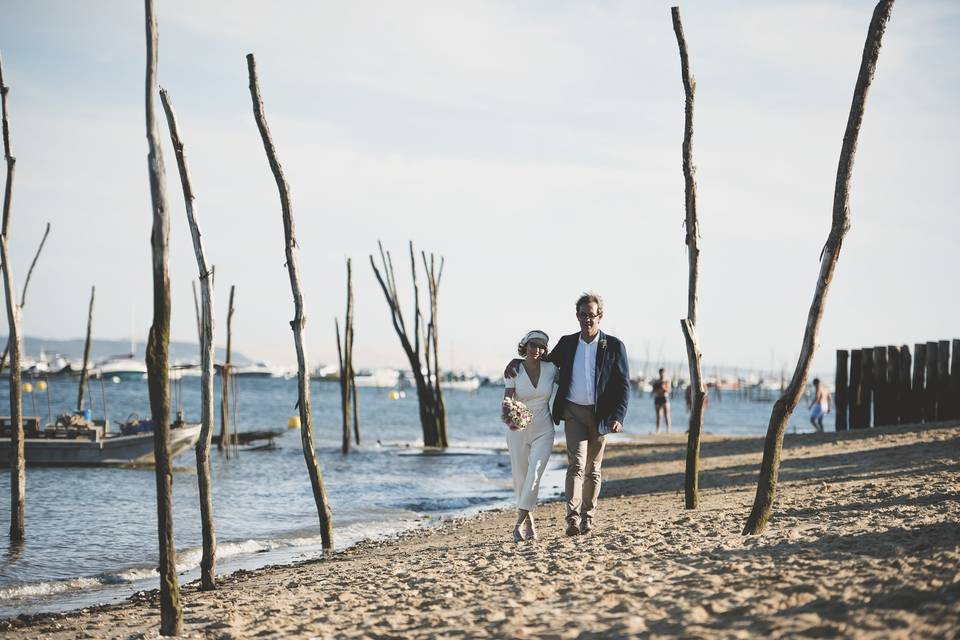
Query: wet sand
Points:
[864, 542]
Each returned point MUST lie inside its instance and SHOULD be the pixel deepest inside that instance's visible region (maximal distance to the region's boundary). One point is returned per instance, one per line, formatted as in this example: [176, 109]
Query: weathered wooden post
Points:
[208, 531]
[880, 398]
[906, 393]
[856, 389]
[86, 355]
[893, 385]
[918, 393]
[345, 363]
[18, 468]
[293, 269]
[955, 380]
[158, 345]
[868, 387]
[944, 410]
[784, 406]
[933, 382]
[842, 391]
[225, 373]
[688, 325]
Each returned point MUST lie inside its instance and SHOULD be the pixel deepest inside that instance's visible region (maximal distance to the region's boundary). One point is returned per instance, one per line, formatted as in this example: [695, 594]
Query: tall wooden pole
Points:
[344, 379]
[225, 373]
[208, 531]
[18, 467]
[193, 286]
[867, 389]
[293, 269]
[688, 325]
[905, 394]
[933, 382]
[856, 389]
[86, 354]
[158, 345]
[880, 397]
[784, 406]
[893, 385]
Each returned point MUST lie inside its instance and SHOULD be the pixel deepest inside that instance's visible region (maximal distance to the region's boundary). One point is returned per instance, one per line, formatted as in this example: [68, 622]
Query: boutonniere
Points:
[603, 343]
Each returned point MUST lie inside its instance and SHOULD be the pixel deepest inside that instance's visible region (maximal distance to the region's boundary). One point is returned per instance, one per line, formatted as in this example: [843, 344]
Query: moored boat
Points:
[88, 444]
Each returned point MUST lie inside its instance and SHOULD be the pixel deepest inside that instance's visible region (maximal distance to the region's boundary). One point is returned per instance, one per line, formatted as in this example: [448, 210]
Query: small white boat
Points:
[461, 383]
[379, 378]
[121, 368]
[257, 370]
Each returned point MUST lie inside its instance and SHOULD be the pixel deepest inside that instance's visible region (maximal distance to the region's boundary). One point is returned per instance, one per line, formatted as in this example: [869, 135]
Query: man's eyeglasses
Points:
[588, 316]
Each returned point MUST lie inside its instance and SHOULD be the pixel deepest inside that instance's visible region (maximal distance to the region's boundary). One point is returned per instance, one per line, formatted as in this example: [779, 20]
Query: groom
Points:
[594, 387]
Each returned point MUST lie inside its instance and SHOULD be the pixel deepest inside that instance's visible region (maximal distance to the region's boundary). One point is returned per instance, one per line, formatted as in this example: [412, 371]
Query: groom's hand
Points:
[616, 427]
[512, 367]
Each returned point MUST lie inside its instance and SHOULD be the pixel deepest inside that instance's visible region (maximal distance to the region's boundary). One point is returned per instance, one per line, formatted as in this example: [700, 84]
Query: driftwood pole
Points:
[208, 531]
[784, 406]
[691, 485]
[841, 391]
[345, 362]
[18, 467]
[433, 343]
[293, 268]
[158, 345]
[225, 374]
[344, 380]
[23, 292]
[86, 356]
[353, 387]
[430, 401]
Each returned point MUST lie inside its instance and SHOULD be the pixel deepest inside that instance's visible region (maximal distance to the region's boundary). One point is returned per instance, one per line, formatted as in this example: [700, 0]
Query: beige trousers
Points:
[584, 457]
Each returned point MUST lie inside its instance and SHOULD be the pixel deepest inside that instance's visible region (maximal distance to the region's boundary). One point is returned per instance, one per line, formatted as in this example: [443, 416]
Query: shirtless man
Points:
[822, 404]
[661, 399]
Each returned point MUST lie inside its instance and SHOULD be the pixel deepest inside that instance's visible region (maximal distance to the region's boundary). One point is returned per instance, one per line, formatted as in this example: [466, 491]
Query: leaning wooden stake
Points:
[158, 345]
[784, 406]
[18, 467]
[86, 354]
[196, 300]
[691, 485]
[293, 268]
[209, 534]
[26, 283]
[223, 444]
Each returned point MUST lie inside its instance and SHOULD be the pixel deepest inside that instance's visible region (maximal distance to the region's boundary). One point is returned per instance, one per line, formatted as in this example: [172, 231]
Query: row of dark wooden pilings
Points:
[886, 385]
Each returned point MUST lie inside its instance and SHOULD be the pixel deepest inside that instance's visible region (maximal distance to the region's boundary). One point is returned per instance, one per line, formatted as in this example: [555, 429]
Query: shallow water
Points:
[91, 533]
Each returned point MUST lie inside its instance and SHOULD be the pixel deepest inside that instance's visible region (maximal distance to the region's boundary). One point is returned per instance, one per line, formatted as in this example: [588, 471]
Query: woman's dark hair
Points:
[522, 347]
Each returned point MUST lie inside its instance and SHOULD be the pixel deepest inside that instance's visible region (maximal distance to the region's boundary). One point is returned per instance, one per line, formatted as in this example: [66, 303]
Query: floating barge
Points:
[91, 445]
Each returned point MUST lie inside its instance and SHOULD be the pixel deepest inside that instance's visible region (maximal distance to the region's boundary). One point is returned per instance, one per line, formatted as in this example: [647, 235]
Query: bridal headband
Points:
[535, 334]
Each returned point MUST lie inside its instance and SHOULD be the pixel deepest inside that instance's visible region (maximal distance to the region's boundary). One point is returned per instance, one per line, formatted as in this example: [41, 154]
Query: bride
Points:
[530, 448]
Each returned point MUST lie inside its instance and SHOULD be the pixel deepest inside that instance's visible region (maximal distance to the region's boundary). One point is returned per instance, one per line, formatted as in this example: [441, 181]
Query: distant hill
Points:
[100, 349]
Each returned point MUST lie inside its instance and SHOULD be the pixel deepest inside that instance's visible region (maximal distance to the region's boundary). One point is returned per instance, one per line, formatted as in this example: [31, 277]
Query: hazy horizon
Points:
[536, 146]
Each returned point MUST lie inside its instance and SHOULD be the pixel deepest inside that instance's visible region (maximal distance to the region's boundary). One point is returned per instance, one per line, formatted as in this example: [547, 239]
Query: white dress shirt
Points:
[584, 374]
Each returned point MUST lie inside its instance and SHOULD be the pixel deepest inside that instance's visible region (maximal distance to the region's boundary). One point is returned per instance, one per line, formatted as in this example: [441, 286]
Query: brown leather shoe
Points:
[586, 526]
[573, 529]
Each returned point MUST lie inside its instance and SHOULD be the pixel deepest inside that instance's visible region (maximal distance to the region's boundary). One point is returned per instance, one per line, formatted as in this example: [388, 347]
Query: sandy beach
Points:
[864, 542]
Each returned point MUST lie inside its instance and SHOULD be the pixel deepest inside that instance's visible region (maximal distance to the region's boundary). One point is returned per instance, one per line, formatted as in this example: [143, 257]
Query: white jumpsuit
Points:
[530, 448]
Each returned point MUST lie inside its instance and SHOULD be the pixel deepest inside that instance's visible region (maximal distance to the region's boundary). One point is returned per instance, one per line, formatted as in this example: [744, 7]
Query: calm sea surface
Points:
[91, 533]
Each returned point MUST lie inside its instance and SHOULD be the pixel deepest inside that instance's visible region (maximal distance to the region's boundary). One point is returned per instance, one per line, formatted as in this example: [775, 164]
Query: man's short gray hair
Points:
[589, 297]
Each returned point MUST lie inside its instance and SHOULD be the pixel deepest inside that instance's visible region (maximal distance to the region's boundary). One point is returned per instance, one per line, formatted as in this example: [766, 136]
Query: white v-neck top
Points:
[537, 398]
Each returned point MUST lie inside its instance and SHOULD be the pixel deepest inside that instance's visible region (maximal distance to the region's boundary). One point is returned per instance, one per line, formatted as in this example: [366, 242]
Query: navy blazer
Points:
[612, 377]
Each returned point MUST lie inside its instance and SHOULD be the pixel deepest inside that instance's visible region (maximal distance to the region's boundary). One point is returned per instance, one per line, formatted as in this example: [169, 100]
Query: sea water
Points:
[91, 533]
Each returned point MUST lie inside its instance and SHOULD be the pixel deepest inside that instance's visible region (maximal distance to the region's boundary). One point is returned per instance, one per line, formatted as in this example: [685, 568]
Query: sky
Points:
[535, 145]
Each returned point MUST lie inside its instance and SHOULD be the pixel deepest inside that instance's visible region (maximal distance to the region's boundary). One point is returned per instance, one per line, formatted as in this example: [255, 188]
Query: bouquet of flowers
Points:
[515, 414]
